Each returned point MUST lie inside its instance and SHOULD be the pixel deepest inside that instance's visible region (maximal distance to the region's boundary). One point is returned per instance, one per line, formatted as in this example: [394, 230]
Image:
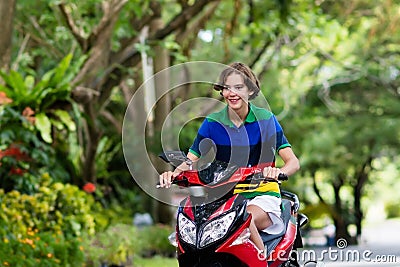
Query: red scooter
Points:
[212, 227]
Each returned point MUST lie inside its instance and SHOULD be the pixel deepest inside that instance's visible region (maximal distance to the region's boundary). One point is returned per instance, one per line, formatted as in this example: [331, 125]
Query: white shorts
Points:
[272, 206]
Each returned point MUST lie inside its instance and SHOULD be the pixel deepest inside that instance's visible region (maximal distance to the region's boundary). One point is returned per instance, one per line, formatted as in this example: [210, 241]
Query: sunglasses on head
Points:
[219, 87]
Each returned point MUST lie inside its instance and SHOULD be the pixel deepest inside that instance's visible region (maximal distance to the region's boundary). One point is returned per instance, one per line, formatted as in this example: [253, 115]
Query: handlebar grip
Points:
[283, 177]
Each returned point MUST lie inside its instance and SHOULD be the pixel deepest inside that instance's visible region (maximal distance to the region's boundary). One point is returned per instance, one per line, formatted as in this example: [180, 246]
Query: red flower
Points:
[89, 188]
[17, 171]
[15, 152]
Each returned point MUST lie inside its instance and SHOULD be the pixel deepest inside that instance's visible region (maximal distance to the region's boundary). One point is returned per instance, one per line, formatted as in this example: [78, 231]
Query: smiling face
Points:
[237, 93]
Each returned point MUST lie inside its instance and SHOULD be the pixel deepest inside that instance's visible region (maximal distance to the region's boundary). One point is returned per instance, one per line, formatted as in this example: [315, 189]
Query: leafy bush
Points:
[115, 246]
[155, 240]
[33, 111]
[56, 207]
[392, 210]
[121, 243]
[37, 249]
[45, 228]
[23, 156]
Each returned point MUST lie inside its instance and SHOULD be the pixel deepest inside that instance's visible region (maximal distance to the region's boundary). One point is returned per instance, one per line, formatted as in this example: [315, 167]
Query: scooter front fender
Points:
[246, 252]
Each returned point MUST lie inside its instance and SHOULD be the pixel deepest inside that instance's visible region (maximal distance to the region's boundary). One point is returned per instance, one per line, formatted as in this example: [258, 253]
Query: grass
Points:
[156, 262]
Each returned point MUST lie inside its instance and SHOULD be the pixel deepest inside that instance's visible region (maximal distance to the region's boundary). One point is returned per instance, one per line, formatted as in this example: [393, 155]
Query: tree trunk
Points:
[162, 109]
[362, 178]
[6, 14]
[88, 92]
[315, 186]
[339, 218]
[137, 114]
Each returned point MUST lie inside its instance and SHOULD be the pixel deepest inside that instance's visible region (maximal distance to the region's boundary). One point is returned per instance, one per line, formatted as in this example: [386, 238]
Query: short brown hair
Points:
[250, 79]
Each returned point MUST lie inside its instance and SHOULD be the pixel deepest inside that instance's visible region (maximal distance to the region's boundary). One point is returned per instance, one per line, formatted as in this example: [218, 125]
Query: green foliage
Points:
[106, 151]
[45, 228]
[120, 243]
[155, 240]
[392, 210]
[156, 262]
[116, 245]
[40, 249]
[53, 86]
[56, 207]
[42, 97]
[24, 157]
[33, 117]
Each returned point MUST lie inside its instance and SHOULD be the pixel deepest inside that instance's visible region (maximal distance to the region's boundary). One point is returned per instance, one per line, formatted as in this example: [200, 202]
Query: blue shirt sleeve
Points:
[202, 134]
[281, 140]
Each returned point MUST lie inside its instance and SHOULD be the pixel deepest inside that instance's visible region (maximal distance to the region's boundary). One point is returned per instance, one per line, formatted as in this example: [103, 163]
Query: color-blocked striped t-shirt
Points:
[255, 142]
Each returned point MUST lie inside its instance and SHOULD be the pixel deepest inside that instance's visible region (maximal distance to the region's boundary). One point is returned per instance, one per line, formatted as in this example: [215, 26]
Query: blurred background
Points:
[328, 68]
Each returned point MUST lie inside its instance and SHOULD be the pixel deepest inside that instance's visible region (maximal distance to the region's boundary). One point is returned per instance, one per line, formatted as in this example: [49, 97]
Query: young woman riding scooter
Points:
[245, 135]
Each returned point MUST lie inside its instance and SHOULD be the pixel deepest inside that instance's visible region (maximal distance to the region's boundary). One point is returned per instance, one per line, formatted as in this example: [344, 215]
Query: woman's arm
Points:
[291, 164]
[167, 177]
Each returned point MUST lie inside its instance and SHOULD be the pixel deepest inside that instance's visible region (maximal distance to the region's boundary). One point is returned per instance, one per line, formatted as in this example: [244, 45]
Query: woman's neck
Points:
[238, 116]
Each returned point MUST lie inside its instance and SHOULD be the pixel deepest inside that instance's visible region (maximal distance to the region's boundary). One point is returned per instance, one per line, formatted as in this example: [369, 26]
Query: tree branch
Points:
[110, 9]
[76, 32]
[191, 32]
[41, 39]
[128, 44]
[278, 45]
[20, 52]
[316, 189]
[260, 53]
[230, 28]
[181, 19]
[113, 120]
[132, 57]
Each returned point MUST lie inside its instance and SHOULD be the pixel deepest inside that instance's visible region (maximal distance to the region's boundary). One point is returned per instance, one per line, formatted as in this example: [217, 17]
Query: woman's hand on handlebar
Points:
[167, 177]
[271, 172]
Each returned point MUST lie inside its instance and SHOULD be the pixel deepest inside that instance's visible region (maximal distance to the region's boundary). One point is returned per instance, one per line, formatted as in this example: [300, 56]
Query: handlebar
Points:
[257, 177]
[231, 173]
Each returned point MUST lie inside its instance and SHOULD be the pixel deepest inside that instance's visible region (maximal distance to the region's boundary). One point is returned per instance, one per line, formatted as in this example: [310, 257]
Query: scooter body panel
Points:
[226, 252]
[215, 232]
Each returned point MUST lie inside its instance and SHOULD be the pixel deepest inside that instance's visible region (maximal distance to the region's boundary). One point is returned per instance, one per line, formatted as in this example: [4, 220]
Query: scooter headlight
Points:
[216, 229]
[187, 229]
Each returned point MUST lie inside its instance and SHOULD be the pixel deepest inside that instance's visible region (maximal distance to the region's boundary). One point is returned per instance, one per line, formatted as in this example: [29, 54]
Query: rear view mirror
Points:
[176, 158]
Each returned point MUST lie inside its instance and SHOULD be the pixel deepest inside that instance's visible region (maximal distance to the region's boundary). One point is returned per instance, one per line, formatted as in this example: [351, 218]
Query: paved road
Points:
[380, 247]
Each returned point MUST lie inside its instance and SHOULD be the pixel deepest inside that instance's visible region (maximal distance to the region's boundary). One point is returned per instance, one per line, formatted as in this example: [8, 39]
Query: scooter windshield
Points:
[216, 172]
